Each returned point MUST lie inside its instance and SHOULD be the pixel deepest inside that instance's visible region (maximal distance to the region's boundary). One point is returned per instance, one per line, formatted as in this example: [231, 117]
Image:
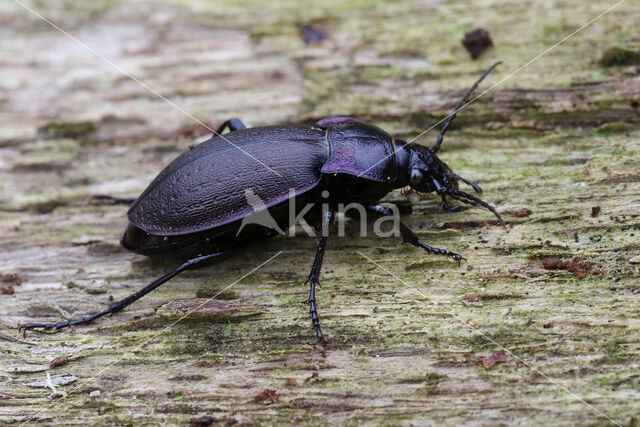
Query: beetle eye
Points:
[415, 177]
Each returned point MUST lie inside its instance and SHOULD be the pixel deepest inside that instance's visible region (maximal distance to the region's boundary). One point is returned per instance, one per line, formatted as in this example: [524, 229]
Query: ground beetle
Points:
[196, 205]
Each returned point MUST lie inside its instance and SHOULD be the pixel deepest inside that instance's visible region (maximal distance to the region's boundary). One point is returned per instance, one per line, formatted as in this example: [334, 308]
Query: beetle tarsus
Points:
[439, 251]
[117, 306]
[315, 320]
[446, 207]
[452, 208]
[410, 237]
[314, 275]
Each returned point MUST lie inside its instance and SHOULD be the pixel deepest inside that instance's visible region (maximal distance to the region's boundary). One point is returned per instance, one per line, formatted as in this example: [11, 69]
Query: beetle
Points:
[196, 206]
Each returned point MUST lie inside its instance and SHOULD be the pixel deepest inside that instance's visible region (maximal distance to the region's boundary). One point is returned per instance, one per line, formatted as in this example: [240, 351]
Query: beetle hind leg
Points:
[117, 306]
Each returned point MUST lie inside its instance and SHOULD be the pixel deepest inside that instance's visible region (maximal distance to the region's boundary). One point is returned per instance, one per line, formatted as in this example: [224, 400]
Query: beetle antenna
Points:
[465, 99]
[474, 201]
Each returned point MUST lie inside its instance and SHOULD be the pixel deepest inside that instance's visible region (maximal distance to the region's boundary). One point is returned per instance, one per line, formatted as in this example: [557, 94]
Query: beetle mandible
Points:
[196, 205]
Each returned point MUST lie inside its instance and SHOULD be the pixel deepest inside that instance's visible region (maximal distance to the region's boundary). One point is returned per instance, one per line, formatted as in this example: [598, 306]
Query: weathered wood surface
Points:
[409, 330]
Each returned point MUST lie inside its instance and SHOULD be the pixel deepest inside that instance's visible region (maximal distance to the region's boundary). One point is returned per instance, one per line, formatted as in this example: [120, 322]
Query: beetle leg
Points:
[410, 237]
[314, 275]
[232, 124]
[114, 199]
[117, 306]
[446, 206]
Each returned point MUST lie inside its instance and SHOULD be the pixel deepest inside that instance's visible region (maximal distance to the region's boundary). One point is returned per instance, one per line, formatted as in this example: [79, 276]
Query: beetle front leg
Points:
[409, 236]
[314, 275]
[446, 207]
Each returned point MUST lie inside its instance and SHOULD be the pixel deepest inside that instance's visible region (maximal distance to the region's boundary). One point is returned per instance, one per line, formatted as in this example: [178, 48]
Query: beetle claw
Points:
[459, 259]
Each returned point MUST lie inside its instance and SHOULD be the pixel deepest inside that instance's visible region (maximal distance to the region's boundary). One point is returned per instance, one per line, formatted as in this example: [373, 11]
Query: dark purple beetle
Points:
[194, 208]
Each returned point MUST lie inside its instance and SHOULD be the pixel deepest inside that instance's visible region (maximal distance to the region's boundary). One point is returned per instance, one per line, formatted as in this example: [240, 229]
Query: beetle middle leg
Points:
[314, 275]
[117, 306]
[410, 237]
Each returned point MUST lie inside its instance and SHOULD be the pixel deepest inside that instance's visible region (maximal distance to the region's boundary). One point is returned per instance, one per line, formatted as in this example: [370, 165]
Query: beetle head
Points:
[427, 173]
